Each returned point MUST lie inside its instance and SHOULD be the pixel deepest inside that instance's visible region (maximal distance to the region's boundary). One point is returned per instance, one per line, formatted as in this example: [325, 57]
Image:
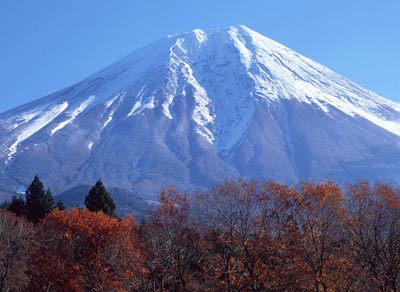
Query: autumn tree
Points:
[320, 214]
[171, 254]
[373, 231]
[15, 239]
[38, 202]
[99, 199]
[79, 250]
[244, 225]
[226, 214]
[277, 205]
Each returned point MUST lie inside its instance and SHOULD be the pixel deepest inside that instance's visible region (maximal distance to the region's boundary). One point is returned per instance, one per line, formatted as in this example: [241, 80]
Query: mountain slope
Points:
[195, 108]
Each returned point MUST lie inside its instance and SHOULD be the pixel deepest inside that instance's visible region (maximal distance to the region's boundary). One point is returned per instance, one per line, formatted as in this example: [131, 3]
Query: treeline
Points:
[38, 202]
[241, 236]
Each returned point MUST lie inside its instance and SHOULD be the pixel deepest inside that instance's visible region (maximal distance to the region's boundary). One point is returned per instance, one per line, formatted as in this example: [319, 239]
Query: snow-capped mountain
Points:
[196, 108]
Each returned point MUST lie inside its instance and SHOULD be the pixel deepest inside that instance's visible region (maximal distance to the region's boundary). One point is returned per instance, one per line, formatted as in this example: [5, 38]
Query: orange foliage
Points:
[79, 250]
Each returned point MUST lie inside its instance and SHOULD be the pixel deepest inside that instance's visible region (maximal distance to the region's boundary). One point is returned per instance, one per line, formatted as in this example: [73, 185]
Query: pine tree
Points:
[17, 206]
[98, 199]
[5, 205]
[60, 206]
[38, 202]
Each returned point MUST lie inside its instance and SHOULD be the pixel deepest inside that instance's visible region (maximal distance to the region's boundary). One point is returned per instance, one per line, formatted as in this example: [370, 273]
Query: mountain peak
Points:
[243, 29]
[277, 72]
[225, 99]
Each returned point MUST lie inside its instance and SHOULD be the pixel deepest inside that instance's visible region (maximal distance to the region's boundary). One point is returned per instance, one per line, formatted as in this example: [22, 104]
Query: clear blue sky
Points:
[46, 45]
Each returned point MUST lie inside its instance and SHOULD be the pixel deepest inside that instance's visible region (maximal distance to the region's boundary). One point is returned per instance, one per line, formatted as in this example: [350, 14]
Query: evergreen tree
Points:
[38, 202]
[60, 206]
[98, 199]
[5, 205]
[17, 206]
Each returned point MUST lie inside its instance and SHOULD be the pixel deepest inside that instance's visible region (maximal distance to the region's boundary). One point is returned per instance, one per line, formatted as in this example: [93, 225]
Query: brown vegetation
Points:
[241, 236]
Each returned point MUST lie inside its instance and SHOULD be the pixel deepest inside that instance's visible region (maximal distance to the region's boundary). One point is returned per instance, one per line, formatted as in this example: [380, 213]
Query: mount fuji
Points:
[195, 108]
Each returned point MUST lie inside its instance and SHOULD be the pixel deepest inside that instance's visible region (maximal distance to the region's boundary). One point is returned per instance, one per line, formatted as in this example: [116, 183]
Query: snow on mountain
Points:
[195, 108]
[72, 115]
[40, 120]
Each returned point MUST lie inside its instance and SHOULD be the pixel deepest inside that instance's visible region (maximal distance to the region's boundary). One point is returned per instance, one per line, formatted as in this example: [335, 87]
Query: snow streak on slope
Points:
[142, 102]
[109, 119]
[37, 124]
[214, 74]
[139, 105]
[110, 102]
[26, 118]
[202, 112]
[119, 97]
[72, 115]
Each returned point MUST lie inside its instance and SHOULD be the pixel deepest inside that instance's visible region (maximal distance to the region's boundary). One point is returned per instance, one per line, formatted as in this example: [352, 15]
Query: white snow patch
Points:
[203, 108]
[28, 116]
[135, 108]
[119, 96]
[201, 36]
[245, 54]
[149, 104]
[166, 106]
[72, 115]
[111, 101]
[43, 120]
[206, 133]
[171, 88]
[138, 107]
[138, 103]
[142, 104]
[110, 117]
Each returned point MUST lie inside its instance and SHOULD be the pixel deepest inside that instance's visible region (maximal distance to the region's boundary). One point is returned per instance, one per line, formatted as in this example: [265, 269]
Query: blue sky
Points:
[46, 45]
